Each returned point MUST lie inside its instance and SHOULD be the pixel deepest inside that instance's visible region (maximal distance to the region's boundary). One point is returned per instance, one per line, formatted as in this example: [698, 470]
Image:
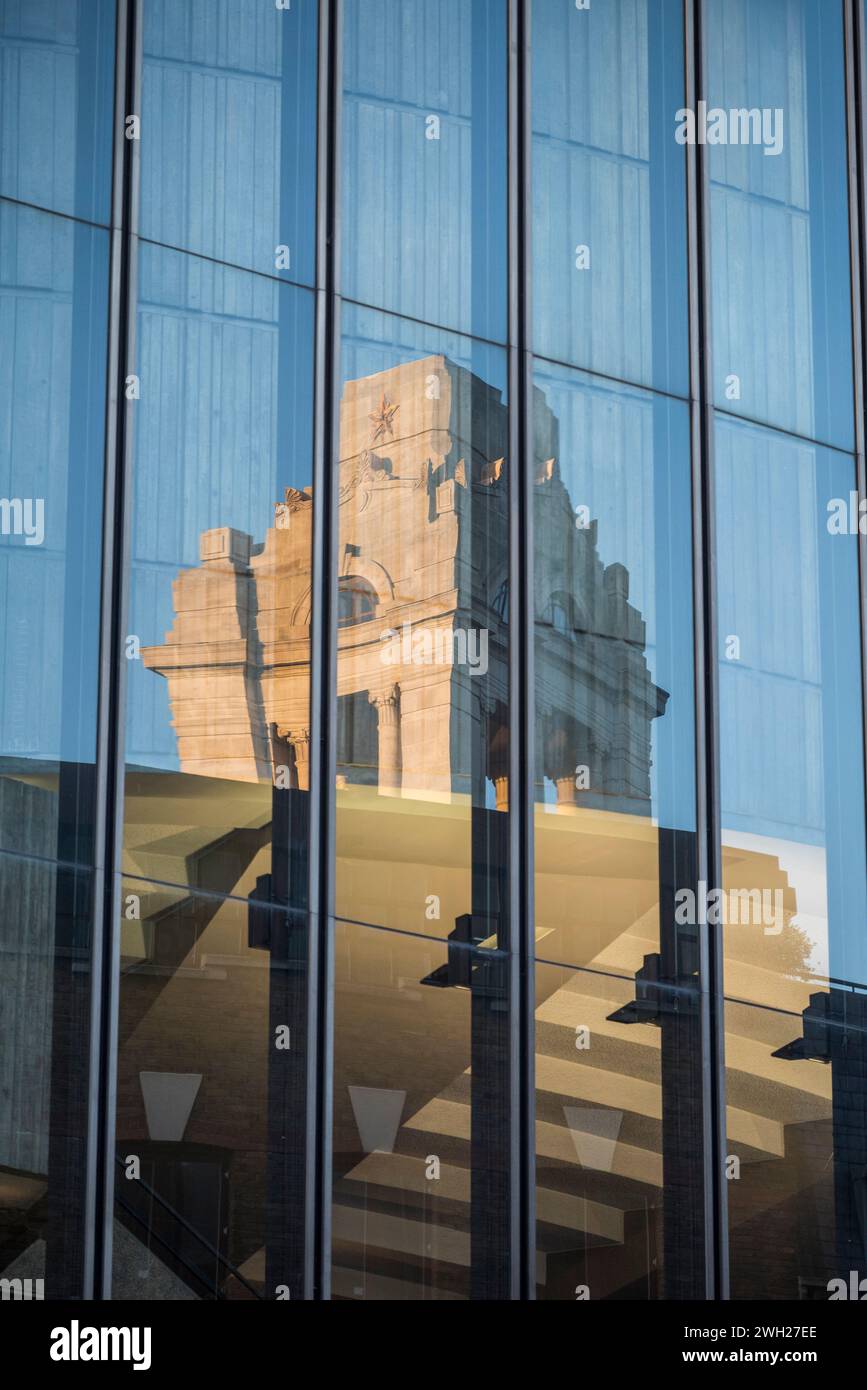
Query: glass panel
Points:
[210, 1097]
[422, 682]
[618, 1141]
[219, 625]
[56, 104]
[609, 191]
[615, 842]
[776, 133]
[797, 1140]
[421, 1118]
[45, 982]
[228, 137]
[53, 323]
[794, 906]
[615, 790]
[424, 160]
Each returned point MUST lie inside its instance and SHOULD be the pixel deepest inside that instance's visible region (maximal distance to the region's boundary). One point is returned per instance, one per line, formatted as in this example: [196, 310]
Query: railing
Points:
[191, 1230]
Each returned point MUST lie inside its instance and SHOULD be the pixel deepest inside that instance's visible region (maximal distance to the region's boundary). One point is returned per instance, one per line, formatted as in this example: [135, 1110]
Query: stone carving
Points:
[382, 420]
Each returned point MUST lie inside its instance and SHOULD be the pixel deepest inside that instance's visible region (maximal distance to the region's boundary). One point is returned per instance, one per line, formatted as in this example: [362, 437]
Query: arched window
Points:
[559, 617]
[560, 612]
[356, 601]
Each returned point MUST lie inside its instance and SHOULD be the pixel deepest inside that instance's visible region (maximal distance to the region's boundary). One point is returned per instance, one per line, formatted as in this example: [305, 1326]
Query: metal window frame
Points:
[323, 636]
[115, 586]
[707, 746]
[521, 658]
[855, 39]
[323, 633]
[99, 1190]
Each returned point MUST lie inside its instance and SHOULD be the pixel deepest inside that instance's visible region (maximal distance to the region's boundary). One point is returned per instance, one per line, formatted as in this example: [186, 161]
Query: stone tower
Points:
[423, 614]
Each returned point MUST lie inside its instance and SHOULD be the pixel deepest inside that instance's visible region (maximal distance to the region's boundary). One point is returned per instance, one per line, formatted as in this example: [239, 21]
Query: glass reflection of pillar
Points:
[291, 750]
[848, 1049]
[387, 706]
[667, 997]
[67, 1131]
[491, 1064]
[278, 919]
[835, 1033]
[681, 1075]
[278, 923]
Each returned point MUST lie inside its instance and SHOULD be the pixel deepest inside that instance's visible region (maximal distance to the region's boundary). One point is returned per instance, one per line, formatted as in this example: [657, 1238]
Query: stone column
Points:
[387, 704]
[566, 792]
[300, 741]
[292, 747]
[570, 748]
[497, 741]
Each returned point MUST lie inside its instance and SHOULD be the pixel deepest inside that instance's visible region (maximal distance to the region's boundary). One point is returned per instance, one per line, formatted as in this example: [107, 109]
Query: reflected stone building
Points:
[422, 687]
[415, 297]
[423, 559]
[422, 617]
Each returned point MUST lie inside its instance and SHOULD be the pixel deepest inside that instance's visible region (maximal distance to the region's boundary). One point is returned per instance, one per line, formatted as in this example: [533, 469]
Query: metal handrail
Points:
[203, 1240]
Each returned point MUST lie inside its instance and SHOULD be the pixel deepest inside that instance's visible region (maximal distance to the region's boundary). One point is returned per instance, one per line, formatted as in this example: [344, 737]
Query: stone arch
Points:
[377, 577]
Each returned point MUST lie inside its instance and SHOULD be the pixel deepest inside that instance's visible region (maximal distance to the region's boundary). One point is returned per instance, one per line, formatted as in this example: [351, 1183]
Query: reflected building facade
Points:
[432, 780]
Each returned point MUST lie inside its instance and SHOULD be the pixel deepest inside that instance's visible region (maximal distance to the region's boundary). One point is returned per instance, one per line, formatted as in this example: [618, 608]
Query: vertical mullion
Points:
[92, 1253]
[112, 666]
[856, 95]
[708, 819]
[521, 704]
[323, 662]
[853, 29]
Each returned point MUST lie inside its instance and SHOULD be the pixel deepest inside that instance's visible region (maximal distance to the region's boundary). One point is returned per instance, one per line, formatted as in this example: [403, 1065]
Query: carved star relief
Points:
[382, 420]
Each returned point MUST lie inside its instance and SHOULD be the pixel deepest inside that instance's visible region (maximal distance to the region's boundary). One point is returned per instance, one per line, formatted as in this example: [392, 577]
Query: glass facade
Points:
[433, 852]
[609, 229]
[779, 233]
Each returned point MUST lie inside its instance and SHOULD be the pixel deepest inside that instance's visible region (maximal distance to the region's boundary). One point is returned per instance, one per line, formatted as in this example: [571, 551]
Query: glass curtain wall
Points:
[416, 1000]
[619, 1149]
[422, 1119]
[211, 1068]
[794, 907]
[56, 100]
